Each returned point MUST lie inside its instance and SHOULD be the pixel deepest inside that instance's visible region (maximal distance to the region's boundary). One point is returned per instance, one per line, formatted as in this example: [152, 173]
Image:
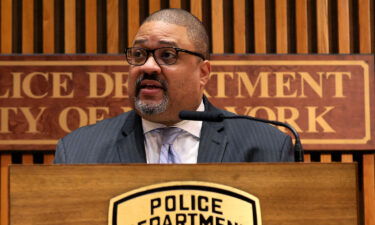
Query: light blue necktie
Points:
[167, 153]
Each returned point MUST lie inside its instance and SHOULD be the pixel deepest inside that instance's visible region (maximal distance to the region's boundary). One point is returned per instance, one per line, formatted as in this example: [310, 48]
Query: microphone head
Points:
[201, 116]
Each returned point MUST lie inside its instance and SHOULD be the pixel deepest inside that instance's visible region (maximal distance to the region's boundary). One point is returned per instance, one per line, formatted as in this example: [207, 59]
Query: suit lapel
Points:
[213, 140]
[212, 144]
[130, 145]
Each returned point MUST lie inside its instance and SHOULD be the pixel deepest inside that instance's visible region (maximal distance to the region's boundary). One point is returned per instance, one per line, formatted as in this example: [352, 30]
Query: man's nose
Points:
[151, 66]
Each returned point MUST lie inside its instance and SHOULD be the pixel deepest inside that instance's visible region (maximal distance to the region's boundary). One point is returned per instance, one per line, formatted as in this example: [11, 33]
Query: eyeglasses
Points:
[163, 56]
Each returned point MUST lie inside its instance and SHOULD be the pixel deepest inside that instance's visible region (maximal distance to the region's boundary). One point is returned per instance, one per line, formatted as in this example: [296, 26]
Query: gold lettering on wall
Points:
[283, 111]
[105, 78]
[4, 111]
[47, 99]
[317, 87]
[121, 84]
[339, 80]
[221, 90]
[315, 119]
[16, 80]
[243, 80]
[72, 111]
[60, 85]
[31, 120]
[26, 84]
[283, 84]
[95, 111]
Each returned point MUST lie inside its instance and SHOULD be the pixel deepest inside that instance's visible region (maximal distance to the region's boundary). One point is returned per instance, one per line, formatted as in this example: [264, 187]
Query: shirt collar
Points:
[192, 127]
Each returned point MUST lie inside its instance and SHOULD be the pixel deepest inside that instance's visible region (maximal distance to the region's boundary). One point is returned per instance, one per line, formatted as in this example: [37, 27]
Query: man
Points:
[169, 69]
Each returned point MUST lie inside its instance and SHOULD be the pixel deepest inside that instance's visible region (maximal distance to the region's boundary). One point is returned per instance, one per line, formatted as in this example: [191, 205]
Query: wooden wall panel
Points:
[5, 161]
[217, 26]
[369, 188]
[112, 26]
[326, 158]
[347, 158]
[322, 26]
[281, 26]
[301, 26]
[365, 26]
[6, 26]
[28, 26]
[48, 27]
[91, 26]
[48, 158]
[154, 5]
[175, 3]
[196, 8]
[260, 26]
[239, 14]
[27, 158]
[133, 20]
[70, 26]
[343, 26]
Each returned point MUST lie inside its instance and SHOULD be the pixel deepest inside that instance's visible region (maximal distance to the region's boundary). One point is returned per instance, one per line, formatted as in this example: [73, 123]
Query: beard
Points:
[151, 108]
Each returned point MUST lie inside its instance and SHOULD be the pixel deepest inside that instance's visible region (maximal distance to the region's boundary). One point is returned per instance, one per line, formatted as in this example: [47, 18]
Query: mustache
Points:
[146, 76]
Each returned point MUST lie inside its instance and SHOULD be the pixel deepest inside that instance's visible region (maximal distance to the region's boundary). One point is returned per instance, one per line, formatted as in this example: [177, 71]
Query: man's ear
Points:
[205, 69]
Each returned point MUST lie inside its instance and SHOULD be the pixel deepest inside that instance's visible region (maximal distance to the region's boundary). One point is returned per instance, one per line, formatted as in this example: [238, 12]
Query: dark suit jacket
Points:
[121, 140]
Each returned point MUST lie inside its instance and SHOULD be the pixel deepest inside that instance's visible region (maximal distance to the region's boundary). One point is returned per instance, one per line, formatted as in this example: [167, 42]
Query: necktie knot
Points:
[167, 153]
[169, 135]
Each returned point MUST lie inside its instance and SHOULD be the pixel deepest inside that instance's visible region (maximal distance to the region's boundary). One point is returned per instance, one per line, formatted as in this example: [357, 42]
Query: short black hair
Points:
[196, 31]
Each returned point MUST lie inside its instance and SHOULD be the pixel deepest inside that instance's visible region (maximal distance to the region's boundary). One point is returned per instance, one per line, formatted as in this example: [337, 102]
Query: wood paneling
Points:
[322, 26]
[27, 158]
[307, 157]
[6, 26]
[196, 8]
[364, 26]
[70, 26]
[239, 31]
[369, 188]
[325, 158]
[347, 158]
[48, 27]
[281, 26]
[112, 26]
[91, 26]
[217, 26]
[133, 20]
[28, 26]
[260, 26]
[48, 158]
[175, 3]
[154, 5]
[301, 26]
[5, 161]
[343, 26]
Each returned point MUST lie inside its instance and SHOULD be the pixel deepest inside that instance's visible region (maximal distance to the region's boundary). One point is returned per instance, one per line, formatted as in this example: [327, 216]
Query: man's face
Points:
[160, 92]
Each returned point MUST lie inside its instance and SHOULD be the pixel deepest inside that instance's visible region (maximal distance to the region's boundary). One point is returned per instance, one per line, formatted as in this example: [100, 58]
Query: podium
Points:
[289, 193]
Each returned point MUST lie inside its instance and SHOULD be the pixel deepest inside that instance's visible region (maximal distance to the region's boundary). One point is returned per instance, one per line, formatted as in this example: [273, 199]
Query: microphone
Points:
[218, 117]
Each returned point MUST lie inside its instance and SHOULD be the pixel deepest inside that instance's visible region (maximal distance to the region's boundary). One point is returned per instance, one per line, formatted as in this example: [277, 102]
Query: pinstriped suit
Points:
[121, 140]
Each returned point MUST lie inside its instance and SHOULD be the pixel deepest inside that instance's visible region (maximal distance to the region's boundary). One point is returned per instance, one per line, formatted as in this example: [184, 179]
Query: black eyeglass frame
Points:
[153, 55]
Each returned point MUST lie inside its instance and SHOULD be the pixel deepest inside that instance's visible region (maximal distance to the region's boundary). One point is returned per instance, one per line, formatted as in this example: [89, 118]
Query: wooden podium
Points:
[289, 193]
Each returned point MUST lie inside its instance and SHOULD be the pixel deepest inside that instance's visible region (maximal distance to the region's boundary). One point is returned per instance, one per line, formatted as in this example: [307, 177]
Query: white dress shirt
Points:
[186, 145]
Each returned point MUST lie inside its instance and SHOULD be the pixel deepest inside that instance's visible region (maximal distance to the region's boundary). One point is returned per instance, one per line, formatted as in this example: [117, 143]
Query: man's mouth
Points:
[150, 84]
[150, 87]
